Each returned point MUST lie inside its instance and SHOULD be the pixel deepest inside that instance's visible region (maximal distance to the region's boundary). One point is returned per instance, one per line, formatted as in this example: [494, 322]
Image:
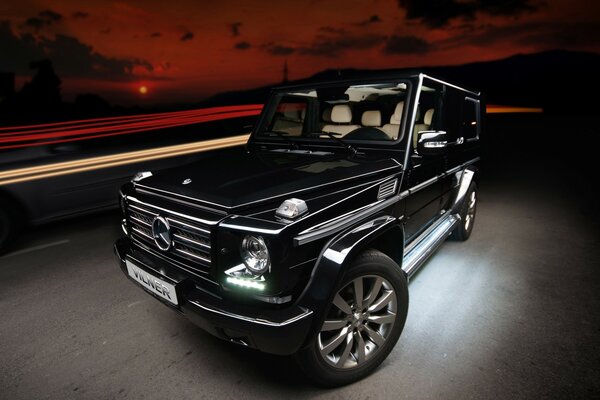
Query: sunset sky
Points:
[187, 50]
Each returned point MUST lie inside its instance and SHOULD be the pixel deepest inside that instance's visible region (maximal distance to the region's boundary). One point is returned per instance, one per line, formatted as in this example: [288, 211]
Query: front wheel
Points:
[362, 324]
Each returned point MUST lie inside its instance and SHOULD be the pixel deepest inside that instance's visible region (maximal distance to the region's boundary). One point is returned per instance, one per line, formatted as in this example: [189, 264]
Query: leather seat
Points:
[371, 118]
[341, 118]
[393, 128]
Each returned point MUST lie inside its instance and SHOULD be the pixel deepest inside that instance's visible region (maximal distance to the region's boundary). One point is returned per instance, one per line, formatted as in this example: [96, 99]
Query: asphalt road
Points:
[511, 313]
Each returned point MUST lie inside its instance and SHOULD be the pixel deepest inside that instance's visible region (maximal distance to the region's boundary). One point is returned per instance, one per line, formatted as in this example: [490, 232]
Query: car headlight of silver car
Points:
[255, 254]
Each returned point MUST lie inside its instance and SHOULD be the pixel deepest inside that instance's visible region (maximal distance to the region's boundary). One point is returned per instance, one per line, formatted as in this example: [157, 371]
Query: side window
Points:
[430, 109]
[289, 116]
[470, 119]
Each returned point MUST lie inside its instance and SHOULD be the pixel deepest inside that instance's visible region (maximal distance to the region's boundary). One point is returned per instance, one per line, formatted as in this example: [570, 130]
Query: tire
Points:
[8, 225]
[467, 215]
[364, 340]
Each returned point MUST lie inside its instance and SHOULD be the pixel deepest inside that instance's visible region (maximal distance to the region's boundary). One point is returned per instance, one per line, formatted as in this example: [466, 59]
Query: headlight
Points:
[255, 254]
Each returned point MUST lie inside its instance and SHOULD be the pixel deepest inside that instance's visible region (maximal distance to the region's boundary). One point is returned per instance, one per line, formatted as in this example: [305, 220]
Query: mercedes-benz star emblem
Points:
[161, 232]
[187, 181]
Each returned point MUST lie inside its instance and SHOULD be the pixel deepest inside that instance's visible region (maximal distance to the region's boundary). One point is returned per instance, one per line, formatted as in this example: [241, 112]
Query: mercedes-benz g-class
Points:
[303, 241]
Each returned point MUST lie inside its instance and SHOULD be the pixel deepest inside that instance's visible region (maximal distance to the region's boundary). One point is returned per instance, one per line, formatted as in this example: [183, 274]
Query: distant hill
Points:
[560, 81]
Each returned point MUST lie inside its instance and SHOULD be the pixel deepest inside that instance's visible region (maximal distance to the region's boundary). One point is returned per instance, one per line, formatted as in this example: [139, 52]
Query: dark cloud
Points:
[327, 45]
[543, 35]
[155, 35]
[278, 50]
[80, 15]
[187, 36]
[43, 19]
[438, 13]
[242, 46]
[374, 19]
[50, 16]
[235, 28]
[35, 23]
[332, 29]
[70, 57]
[331, 46]
[406, 44]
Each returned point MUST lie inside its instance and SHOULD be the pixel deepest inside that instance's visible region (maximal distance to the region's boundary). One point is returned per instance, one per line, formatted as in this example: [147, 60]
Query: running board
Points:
[427, 243]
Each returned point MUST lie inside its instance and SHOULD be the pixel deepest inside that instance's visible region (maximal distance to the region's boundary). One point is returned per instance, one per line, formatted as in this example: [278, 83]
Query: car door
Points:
[423, 177]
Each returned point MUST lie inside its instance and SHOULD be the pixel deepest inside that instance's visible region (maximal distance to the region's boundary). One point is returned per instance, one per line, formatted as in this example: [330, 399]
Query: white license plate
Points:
[152, 283]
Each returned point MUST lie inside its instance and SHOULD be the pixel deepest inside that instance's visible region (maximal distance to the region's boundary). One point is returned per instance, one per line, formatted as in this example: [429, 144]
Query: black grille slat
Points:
[191, 240]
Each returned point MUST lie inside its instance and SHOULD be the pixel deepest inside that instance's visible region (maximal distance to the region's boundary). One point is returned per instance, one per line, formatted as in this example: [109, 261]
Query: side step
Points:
[420, 249]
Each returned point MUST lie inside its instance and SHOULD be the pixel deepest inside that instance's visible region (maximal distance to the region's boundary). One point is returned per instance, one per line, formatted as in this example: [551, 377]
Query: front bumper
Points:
[275, 331]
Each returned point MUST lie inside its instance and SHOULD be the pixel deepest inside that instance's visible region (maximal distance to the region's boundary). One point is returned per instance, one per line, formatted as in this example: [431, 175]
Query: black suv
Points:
[303, 241]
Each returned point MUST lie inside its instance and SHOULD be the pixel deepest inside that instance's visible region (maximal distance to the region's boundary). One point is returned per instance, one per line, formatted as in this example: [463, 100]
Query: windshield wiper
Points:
[283, 135]
[344, 144]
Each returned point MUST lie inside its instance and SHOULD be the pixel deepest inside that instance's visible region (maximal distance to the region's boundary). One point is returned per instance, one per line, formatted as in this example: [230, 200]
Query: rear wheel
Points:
[467, 215]
[362, 324]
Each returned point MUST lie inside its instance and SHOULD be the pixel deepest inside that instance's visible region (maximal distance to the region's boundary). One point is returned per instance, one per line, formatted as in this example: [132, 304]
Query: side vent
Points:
[387, 189]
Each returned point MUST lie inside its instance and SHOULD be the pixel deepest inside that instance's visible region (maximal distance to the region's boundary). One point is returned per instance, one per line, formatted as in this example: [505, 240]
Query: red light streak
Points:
[113, 126]
[163, 114]
[208, 118]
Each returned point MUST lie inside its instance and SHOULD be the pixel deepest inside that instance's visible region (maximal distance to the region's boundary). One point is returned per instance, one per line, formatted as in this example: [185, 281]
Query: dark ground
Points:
[511, 313]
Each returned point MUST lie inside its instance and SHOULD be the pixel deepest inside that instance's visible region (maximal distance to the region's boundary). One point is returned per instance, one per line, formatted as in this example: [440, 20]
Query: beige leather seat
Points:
[393, 128]
[341, 118]
[371, 118]
[425, 126]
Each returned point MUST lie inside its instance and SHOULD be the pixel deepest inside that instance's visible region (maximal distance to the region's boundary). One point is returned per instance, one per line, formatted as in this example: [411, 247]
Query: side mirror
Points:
[434, 142]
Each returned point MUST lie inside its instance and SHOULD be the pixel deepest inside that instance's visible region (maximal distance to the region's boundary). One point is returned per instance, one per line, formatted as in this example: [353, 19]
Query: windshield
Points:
[371, 112]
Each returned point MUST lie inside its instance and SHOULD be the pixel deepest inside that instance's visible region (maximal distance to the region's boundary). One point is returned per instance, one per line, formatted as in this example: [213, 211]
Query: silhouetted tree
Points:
[43, 92]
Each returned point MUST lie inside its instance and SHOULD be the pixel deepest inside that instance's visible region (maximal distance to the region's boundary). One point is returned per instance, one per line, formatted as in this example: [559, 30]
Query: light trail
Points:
[84, 132]
[62, 132]
[91, 164]
[120, 118]
[496, 109]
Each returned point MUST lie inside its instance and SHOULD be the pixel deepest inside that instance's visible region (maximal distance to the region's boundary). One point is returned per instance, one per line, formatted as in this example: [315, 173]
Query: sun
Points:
[143, 89]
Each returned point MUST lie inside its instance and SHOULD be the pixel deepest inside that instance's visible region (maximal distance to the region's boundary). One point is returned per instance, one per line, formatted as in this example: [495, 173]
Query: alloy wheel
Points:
[359, 321]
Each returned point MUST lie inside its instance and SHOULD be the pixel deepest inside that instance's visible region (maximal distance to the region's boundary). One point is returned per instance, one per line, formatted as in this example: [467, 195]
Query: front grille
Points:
[191, 240]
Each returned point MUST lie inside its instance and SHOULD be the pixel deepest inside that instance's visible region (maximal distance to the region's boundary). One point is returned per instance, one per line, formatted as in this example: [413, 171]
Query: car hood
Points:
[236, 178]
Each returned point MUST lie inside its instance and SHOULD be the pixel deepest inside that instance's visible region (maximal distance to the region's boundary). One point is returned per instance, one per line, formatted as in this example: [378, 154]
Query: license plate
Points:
[153, 284]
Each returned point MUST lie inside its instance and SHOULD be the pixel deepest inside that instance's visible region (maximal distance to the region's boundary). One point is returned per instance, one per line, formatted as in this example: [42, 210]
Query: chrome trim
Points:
[180, 201]
[259, 321]
[176, 264]
[279, 195]
[184, 226]
[385, 190]
[317, 226]
[411, 126]
[156, 236]
[192, 241]
[451, 85]
[200, 220]
[246, 228]
[187, 253]
[423, 185]
[134, 229]
[343, 223]
[140, 221]
[427, 243]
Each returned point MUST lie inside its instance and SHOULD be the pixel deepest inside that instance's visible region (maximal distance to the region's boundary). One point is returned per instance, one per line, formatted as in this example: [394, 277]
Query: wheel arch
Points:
[380, 233]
